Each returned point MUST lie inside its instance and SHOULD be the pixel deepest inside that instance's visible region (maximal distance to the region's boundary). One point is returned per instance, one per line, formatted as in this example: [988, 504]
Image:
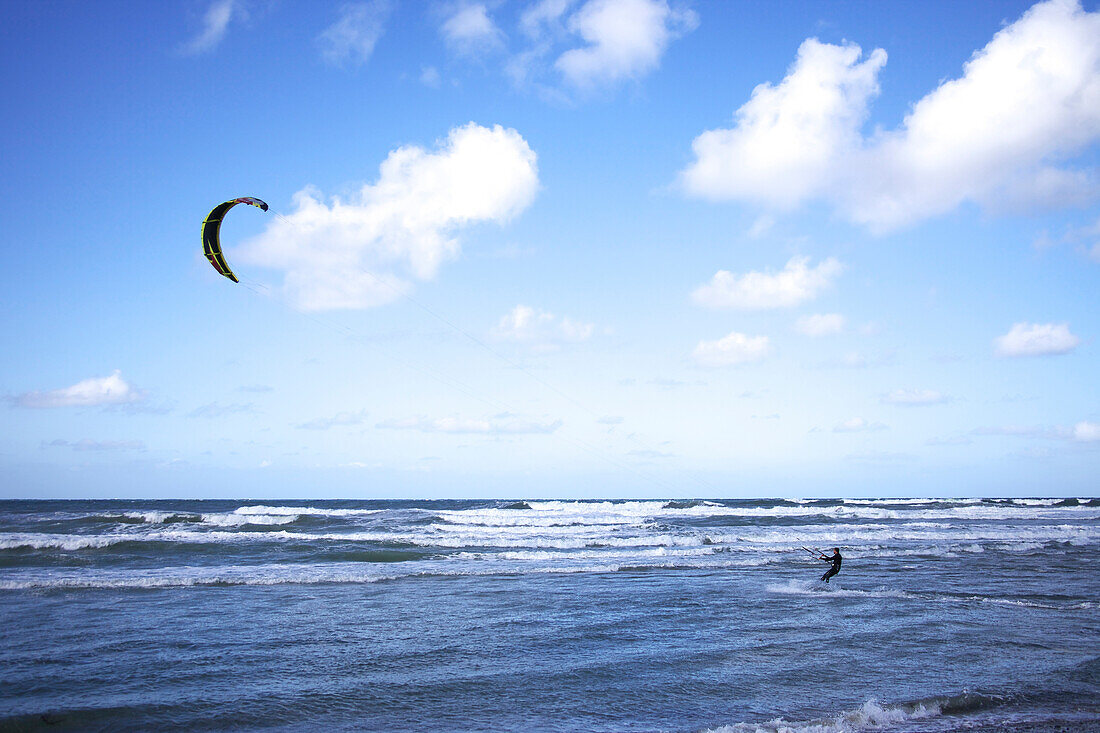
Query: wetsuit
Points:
[835, 559]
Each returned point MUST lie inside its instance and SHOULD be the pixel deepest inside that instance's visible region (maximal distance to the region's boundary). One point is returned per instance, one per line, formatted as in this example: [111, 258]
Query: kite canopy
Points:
[211, 241]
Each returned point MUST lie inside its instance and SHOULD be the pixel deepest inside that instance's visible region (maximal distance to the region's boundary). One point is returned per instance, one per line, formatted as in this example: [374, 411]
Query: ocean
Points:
[948, 614]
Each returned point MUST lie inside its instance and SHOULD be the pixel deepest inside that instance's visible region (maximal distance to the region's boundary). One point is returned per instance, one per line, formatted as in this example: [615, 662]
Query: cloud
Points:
[468, 29]
[736, 348]
[539, 329]
[626, 39]
[858, 425]
[795, 284]
[1036, 339]
[788, 138]
[1082, 432]
[367, 250]
[86, 444]
[952, 440]
[93, 392]
[352, 37]
[339, 419]
[215, 23]
[820, 324]
[915, 397]
[1086, 432]
[497, 425]
[217, 409]
[429, 77]
[1025, 104]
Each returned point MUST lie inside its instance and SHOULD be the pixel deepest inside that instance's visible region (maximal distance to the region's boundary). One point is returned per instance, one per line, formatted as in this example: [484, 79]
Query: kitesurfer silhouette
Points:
[835, 559]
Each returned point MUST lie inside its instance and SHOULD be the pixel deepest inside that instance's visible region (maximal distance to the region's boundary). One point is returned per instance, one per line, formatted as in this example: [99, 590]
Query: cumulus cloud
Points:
[999, 135]
[788, 138]
[93, 392]
[1036, 339]
[736, 348]
[469, 30]
[626, 39]
[795, 284]
[338, 420]
[351, 39]
[1086, 432]
[215, 23]
[915, 397]
[504, 424]
[367, 250]
[858, 425]
[820, 324]
[539, 329]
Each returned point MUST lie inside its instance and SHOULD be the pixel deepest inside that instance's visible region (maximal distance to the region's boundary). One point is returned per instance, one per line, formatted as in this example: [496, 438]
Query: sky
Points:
[551, 248]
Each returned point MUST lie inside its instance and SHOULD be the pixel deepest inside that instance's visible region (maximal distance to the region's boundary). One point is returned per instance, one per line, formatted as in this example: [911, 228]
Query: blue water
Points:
[975, 614]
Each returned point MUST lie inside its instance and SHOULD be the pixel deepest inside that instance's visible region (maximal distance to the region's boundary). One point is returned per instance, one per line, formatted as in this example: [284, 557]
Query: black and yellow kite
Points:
[211, 242]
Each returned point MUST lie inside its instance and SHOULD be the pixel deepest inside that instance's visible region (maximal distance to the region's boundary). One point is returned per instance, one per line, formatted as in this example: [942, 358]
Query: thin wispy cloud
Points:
[215, 24]
[214, 410]
[796, 283]
[340, 419]
[87, 444]
[369, 248]
[93, 392]
[469, 30]
[1003, 134]
[351, 39]
[820, 324]
[496, 425]
[915, 397]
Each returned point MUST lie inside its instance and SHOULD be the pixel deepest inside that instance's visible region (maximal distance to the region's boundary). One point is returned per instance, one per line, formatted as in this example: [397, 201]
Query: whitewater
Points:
[536, 615]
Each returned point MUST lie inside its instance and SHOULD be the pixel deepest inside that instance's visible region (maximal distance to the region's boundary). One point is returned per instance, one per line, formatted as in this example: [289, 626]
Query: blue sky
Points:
[572, 248]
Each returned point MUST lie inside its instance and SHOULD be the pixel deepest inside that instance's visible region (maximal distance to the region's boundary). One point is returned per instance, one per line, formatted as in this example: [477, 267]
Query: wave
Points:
[809, 587]
[872, 716]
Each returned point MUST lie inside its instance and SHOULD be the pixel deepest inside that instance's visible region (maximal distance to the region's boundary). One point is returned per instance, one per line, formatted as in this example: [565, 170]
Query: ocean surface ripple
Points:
[534, 615]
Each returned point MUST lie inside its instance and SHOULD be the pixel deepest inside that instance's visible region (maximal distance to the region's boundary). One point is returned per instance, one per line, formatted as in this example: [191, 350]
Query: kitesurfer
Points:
[835, 559]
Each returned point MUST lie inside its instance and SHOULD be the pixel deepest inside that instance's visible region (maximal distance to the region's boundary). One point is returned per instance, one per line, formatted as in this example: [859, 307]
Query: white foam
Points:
[870, 716]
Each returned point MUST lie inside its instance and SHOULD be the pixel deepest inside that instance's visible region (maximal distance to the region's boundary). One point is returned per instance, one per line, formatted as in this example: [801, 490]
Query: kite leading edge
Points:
[211, 241]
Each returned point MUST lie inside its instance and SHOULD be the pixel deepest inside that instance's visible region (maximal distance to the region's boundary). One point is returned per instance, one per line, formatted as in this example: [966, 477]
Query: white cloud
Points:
[1086, 432]
[215, 410]
[469, 30]
[429, 77]
[339, 419]
[796, 283]
[366, 251]
[736, 348]
[541, 16]
[352, 37]
[87, 444]
[215, 23]
[539, 329]
[1036, 339]
[93, 392]
[820, 324]
[915, 397]
[789, 138]
[495, 425]
[1024, 105]
[857, 425]
[626, 39]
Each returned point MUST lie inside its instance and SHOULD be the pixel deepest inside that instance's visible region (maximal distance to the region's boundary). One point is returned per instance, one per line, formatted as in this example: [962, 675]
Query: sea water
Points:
[948, 614]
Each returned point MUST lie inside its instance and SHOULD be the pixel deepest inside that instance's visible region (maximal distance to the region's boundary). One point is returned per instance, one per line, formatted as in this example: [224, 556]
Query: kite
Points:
[211, 243]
